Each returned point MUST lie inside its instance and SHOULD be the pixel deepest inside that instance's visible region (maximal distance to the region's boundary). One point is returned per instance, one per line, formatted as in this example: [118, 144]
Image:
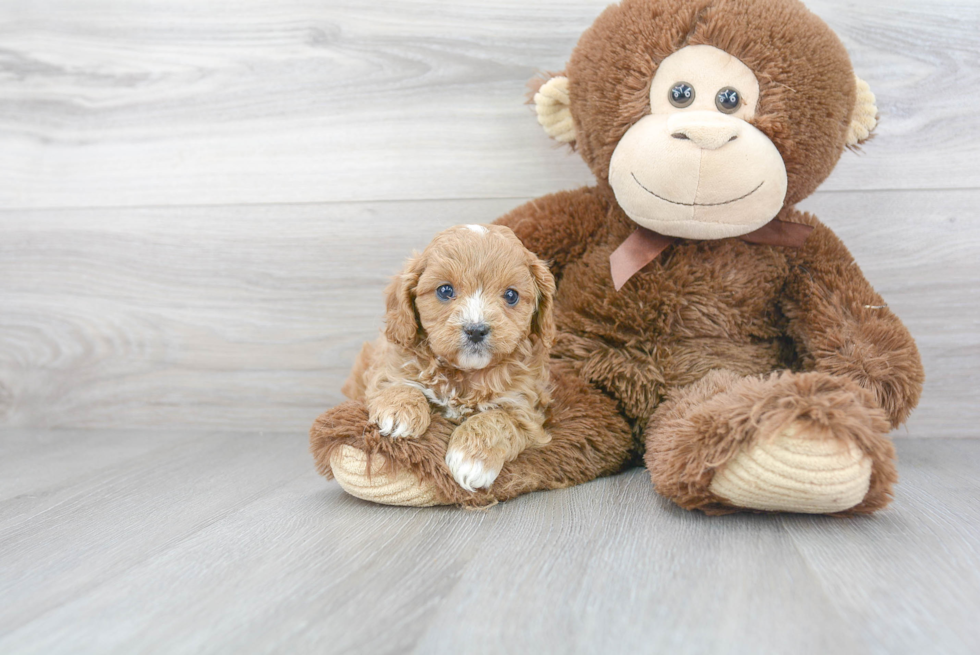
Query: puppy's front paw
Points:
[401, 412]
[469, 472]
[401, 421]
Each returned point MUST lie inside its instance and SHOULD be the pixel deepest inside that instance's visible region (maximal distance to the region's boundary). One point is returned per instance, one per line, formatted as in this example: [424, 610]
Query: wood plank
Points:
[81, 533]
[907, 579]
[50, 461]
[245, 318]
[609, 566]
[307, 570]
[182, 103]
[628, 573]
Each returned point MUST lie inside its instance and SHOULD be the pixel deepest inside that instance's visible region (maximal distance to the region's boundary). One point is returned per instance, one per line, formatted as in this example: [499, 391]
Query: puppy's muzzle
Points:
[476, 333]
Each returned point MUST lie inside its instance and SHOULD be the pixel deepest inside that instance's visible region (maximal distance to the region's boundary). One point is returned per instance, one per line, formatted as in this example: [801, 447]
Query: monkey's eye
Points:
[445, 292]
[728, 100]
[511, 297]
[681, 94]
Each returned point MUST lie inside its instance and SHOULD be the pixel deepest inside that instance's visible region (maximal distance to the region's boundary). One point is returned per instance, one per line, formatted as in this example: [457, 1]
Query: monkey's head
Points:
[704, 118]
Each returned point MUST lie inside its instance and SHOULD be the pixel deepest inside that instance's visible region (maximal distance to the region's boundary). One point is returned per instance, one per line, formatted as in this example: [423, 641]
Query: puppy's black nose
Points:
[476, 332]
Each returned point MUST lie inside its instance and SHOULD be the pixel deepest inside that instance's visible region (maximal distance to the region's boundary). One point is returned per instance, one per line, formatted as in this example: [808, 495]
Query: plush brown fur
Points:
[704, 306]
[589, 439]
[702, 426]
[714, 345]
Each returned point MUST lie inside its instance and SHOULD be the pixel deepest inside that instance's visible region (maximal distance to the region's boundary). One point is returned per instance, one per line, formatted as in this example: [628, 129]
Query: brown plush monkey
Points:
[703, 321]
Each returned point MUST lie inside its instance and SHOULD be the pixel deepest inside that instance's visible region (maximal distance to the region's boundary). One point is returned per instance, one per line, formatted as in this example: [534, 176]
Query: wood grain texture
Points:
[237, 317]
[250, 317]
[175, 102]
[218, 543]
[149, 502]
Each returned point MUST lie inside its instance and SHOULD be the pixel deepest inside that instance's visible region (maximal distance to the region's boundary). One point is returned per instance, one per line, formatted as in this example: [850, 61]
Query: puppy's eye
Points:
[511, 297]
[445, 292]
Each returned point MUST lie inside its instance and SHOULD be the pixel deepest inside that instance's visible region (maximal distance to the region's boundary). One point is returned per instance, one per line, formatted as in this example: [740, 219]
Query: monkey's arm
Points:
[843, 327]
[557, 227]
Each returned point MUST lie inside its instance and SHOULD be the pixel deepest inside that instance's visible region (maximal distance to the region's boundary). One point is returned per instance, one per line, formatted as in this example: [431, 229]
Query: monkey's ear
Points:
[865, 115]
[401, 322]
[553, 108]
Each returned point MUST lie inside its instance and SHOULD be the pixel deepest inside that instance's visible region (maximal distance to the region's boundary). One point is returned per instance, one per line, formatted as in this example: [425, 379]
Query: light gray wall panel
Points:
[249, 317]
[178, 102]
[200, 202]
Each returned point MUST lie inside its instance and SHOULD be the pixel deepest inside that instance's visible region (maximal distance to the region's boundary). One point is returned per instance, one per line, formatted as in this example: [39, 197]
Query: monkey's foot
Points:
[800, 470]
[786, 442]
[366, 479]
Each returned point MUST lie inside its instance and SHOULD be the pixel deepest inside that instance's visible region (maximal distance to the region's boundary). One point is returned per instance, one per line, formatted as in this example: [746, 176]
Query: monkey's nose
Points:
[706, 129]
[476, 332]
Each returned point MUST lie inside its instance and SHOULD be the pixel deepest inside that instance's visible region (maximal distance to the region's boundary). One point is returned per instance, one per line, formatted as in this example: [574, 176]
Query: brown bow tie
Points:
[643, 246]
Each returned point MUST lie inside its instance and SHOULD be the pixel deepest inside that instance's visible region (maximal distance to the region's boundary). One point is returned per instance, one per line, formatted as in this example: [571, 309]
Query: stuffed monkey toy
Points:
[705, 324]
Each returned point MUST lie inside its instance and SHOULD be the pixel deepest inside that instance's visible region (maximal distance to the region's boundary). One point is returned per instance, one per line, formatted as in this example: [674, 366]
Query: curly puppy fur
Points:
[496, 389]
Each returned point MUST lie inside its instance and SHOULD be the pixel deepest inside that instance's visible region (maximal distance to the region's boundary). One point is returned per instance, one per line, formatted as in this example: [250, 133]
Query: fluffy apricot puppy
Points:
[468, 330]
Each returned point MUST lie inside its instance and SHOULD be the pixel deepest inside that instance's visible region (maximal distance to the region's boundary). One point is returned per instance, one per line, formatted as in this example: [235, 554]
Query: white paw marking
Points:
[470, 474]
[401, 430]
[479, 229]
[389, 425]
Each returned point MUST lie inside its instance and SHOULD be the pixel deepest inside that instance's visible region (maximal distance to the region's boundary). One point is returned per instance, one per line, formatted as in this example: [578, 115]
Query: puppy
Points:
[468, 329]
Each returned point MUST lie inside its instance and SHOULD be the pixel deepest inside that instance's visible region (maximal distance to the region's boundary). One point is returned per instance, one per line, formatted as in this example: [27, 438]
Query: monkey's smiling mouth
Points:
[696, 204]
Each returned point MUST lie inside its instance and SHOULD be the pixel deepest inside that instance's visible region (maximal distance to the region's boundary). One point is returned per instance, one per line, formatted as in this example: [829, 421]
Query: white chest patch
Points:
[448, 402]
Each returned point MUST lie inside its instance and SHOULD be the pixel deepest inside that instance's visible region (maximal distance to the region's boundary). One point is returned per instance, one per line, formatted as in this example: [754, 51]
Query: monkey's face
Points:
[705, 117]
[696, 167]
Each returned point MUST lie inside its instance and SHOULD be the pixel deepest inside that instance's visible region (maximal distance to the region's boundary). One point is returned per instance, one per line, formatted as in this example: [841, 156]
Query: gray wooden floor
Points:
[177, 542]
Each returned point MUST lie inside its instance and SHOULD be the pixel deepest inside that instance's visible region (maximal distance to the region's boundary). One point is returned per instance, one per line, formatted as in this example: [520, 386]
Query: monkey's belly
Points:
[639, 375]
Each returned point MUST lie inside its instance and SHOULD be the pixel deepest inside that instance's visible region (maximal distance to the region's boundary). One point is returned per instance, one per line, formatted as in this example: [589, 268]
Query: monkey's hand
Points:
[843, 327]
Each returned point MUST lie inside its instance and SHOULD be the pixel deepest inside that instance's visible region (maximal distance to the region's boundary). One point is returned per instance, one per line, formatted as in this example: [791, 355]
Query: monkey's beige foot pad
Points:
[350, 469]
[796, 472]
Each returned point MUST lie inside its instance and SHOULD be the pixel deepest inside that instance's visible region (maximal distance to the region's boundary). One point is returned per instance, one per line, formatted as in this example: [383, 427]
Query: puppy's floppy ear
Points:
[543, 322]
[401, 321]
